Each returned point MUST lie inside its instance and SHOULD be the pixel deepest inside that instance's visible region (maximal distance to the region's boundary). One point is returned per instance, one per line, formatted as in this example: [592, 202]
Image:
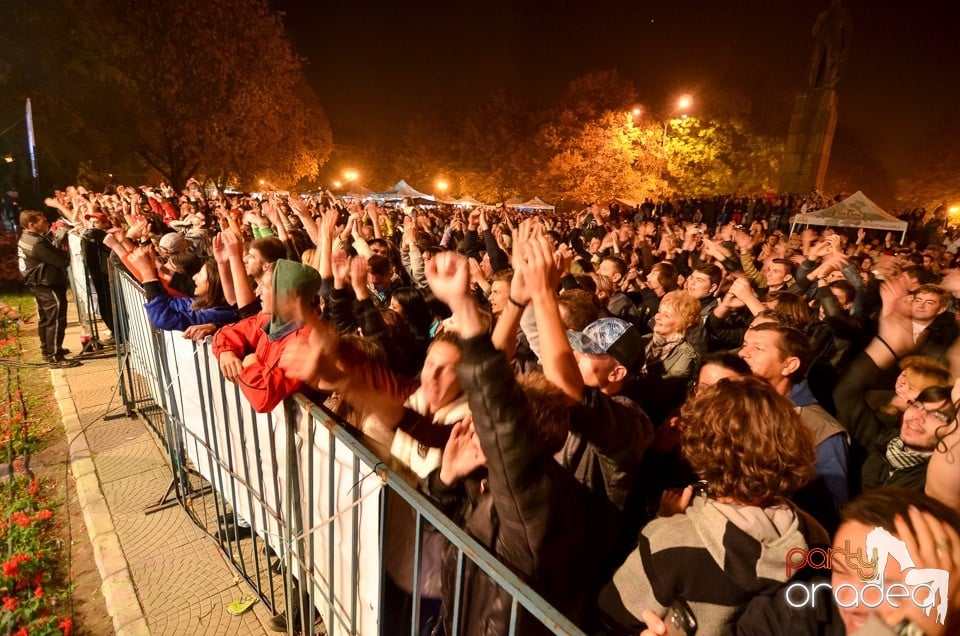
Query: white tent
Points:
[402, 190]
[515, 202]
[854, 211]
[468, 201]
[535, 204]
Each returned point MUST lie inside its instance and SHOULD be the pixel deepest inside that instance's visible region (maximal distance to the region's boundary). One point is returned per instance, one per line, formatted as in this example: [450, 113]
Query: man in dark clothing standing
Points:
[10, 211]
[44, 268]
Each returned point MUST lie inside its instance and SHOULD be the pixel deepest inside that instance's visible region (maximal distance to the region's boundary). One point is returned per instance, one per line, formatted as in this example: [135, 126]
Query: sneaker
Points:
[63, 364]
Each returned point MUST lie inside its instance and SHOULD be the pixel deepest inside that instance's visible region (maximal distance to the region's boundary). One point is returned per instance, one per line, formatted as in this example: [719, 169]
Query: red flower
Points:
[38, 578]
[21, 519]
[22, 585]
[66, 625]
[21, 632]
[38, 593]
[10, 568]
[43, 515]
[34, 486]
[10, 603]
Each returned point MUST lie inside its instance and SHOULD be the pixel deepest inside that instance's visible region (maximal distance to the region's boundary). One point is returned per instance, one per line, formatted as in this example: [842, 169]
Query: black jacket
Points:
[528, 511]
[42, 263]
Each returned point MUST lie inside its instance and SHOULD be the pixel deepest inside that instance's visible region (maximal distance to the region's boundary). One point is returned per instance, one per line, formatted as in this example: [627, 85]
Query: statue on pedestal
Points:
[831, 35]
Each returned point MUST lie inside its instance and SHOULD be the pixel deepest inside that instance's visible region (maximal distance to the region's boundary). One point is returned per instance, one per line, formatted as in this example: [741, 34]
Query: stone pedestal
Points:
[807, 150]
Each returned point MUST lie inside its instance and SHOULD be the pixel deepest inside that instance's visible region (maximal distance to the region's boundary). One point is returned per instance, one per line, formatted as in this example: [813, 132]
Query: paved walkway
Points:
[160, 567]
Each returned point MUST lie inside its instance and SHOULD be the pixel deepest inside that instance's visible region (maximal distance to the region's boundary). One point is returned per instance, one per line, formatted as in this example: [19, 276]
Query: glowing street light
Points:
[350, 175]
[636, 112]
[8, 158]
[684, 102]
[336, 184]
[442, 186]
[263, 182]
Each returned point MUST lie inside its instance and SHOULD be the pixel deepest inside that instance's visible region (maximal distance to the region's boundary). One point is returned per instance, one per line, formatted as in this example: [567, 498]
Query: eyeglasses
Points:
[943, 418]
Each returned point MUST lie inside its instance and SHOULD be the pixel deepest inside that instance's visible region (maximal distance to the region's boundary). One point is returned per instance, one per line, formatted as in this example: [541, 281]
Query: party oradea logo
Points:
[924, 587]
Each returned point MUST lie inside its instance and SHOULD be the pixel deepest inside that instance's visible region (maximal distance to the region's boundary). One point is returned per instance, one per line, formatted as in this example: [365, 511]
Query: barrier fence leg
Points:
[122, 340]
[297, 597]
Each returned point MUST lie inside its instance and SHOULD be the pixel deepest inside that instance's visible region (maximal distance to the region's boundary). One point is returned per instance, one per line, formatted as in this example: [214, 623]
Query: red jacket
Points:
[263, 383]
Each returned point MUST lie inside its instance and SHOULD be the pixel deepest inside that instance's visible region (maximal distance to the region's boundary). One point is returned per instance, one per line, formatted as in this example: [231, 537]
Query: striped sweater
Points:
[715, 556]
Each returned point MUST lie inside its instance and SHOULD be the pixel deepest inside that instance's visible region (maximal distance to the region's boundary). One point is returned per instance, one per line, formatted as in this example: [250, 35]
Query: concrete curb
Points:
[119, 593]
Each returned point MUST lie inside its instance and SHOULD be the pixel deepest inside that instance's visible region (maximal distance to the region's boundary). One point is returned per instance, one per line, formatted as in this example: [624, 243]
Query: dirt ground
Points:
[77, 568]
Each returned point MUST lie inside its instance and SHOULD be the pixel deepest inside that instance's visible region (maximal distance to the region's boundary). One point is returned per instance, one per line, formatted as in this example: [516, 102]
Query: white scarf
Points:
[421, 459]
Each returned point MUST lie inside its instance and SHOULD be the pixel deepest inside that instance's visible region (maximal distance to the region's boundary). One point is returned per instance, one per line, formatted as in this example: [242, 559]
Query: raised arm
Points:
[542, 277]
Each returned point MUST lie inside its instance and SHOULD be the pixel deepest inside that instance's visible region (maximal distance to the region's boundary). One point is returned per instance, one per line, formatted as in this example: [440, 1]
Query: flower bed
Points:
[32, 603]
[29, 546]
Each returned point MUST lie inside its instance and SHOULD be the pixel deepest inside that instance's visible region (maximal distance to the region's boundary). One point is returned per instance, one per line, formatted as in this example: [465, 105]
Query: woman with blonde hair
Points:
[717, 550]
[670, 360]
[916, 374]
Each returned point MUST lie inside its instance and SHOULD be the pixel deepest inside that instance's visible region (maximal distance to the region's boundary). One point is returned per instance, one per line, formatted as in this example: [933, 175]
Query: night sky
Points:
[374, 63]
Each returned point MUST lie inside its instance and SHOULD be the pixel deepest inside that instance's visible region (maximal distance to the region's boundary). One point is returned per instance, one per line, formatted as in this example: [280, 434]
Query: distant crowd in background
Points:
[643, 411]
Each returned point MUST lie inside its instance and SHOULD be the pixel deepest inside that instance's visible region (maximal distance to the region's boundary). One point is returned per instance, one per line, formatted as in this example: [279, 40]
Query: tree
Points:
[704, 156]
[607, 156]
[206, 87]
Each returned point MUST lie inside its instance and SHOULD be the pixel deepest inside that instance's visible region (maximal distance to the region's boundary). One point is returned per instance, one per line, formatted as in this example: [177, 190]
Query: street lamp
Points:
[350, 175]
[442, 187]
[336, 184]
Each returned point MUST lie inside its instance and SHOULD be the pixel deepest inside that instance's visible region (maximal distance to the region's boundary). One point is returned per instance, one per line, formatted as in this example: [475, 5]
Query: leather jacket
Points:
[527, 510]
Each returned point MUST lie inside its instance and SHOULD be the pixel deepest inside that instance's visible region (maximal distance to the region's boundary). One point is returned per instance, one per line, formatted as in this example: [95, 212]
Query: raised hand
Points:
[341, 268]
[462, 455]
[933, 545]
[328, 223]
[144, 260]
[895, 326]
[312, 362]
[741, 289]
[359, 273]
[220, 253]
[449, 278]
[540, 272]
[232, 243]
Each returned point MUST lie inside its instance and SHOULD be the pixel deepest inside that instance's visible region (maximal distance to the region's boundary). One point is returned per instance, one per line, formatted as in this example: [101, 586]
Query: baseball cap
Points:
[610, 336]
[100, 216]
[173, 242]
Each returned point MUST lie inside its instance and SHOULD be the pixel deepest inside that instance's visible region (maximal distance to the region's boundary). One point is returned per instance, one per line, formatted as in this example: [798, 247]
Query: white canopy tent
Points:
[854, 211]
[468, 201]
[515, 202]
[401, 191]
[535, 204]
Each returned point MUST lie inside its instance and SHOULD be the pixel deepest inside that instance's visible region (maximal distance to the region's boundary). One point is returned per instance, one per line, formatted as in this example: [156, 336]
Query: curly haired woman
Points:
[717, 550]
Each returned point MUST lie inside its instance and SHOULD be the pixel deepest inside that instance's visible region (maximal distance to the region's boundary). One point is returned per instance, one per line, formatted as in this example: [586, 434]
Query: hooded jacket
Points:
[264, 383]
[714, 556]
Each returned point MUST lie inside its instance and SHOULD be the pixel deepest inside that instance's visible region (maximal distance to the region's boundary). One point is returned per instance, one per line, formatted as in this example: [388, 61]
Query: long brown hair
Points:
[213, 297]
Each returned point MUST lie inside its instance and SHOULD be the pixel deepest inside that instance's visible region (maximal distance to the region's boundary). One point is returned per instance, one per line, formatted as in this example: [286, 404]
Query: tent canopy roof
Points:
[403, 190]
[854, 211]
[536, 203]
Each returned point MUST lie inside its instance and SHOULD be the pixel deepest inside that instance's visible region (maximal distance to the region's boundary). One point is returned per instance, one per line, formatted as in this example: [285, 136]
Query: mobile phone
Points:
[679, 620]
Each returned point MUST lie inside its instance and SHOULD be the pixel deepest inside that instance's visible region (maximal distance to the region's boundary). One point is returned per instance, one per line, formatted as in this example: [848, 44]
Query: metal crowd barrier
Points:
[308, 484]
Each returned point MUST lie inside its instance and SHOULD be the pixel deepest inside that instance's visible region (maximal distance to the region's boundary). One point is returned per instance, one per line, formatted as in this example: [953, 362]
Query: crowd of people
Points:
[643, 412]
